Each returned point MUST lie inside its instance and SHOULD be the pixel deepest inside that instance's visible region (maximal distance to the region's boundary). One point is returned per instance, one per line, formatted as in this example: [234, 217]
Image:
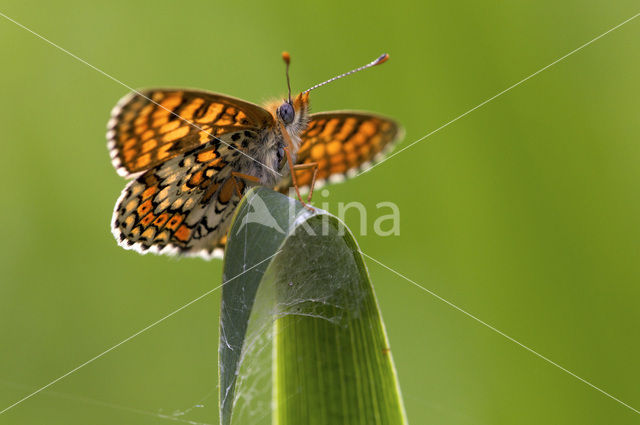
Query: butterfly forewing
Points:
[343, 143]
[150, 127]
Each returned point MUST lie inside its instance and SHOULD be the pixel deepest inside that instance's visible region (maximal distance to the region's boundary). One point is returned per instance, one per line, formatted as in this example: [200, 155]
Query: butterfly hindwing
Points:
[343, 143]
[183, 205]
[150, 127]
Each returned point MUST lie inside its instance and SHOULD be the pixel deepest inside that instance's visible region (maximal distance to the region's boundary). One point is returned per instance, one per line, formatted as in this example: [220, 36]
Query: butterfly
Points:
[192, 154]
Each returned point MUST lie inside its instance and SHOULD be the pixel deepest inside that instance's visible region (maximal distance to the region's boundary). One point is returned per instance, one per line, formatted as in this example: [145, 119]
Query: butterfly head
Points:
[293, 111]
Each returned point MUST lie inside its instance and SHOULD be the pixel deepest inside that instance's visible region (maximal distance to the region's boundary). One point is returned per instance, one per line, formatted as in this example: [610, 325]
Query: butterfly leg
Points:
[294, 179]
[236, 180]
[292, 166]
[314, 167]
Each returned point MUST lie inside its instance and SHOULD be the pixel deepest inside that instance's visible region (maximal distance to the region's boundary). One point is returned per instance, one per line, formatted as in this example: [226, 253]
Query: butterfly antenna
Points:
[382, 59]
[287, 59]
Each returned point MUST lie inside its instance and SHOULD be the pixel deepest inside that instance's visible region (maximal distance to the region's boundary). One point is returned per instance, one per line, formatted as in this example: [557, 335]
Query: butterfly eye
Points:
[286, 113]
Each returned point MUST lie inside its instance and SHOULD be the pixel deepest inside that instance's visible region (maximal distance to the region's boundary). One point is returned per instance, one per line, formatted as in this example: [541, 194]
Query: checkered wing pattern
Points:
[342, 144]
[181, 206]
[150, 127]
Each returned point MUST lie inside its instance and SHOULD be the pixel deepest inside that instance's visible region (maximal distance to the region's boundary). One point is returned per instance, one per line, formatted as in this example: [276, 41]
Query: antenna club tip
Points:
[286, 57]
[382, 59]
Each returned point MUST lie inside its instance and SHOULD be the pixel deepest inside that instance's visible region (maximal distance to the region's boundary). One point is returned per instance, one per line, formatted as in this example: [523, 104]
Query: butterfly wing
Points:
[150, 127]
[183, 205]
[342, 143]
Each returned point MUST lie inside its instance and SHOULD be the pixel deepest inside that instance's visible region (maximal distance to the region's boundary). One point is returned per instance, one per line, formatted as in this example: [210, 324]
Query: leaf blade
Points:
[313, 320]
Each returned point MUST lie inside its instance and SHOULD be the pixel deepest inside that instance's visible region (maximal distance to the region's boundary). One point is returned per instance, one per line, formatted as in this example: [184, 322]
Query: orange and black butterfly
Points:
[192, 154]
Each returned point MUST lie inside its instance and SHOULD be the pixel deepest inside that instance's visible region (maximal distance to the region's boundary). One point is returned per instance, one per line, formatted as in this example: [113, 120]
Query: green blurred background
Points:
[526, 212]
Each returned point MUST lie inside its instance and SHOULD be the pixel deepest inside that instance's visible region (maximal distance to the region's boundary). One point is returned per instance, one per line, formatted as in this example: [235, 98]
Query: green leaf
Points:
[301, 336]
